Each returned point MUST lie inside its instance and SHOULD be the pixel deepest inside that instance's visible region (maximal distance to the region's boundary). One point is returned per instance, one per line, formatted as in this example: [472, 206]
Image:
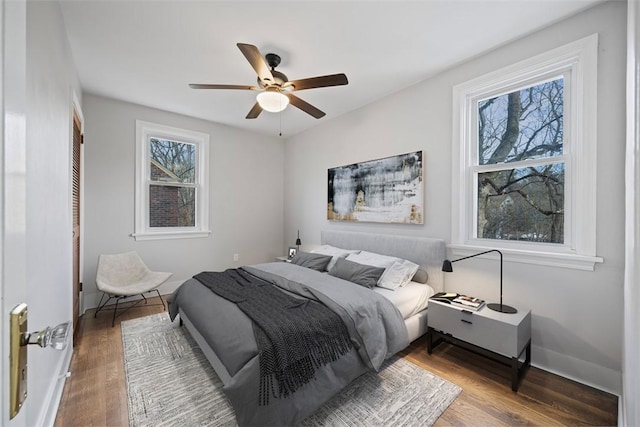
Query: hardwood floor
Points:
[543, 399]
[95, 394]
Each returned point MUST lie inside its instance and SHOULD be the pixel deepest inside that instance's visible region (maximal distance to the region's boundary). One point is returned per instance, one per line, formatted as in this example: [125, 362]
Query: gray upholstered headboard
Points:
[425, 251]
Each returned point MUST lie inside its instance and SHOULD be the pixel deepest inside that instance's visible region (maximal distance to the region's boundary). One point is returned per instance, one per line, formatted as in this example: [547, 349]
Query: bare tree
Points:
[178, 159]
[522, 203]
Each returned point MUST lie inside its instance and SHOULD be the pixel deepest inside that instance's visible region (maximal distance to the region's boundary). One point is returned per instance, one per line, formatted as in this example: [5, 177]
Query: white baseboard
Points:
[49, 408]
[584, 372]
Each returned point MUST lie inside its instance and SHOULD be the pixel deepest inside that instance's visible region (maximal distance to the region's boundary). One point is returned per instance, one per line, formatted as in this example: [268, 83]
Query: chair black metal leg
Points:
[160, 296]
[130, 304]
[100, 306]
[115, 310]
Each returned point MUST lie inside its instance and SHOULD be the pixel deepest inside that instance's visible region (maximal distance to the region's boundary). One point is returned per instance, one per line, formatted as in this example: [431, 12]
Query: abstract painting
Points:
[388, 190]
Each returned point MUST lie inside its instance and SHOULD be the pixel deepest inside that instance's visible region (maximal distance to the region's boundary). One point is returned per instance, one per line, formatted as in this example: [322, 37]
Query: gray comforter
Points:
[375, 326]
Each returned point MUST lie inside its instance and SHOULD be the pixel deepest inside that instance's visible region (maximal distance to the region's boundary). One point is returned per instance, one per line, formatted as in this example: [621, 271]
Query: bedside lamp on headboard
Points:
[502, 308]
[298, 242]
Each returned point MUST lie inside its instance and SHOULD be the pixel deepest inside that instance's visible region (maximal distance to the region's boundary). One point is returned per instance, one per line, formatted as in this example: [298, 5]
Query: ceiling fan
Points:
[274, 87]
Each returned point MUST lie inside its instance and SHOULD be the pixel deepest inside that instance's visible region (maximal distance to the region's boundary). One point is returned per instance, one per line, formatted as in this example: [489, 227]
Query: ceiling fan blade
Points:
[213, 86]
[322, 81]
[254, 112]
[256, 60]
[304, 106]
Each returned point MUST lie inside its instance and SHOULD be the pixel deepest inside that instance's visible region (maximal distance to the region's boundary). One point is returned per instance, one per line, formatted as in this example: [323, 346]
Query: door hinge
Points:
[80, 287]
[82, 138]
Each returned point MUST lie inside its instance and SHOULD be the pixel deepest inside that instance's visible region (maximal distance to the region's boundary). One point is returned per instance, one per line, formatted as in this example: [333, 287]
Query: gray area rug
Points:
[171, 383]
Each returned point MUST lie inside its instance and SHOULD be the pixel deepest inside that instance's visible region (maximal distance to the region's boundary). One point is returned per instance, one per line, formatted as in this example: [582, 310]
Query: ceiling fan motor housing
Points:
[279, 79]
[273, 60]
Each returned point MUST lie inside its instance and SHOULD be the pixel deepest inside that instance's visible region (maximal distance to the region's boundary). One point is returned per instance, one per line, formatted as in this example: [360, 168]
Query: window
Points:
[519, 164]
[171, 182]
[524, 157]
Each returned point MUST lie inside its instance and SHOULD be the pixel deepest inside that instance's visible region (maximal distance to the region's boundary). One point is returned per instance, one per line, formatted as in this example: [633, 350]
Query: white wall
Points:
[577, 315]
[51, 81]
[246, 195]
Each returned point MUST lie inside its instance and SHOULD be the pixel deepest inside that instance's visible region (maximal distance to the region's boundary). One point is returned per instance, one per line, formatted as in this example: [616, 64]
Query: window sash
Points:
[565, 77]
[172, 184]
[151, 160]
[565, 158]
[476, 211]
[475, 168]
[173, 227]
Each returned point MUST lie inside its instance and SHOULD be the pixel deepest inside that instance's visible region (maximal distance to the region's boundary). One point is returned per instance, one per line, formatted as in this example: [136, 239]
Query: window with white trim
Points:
[524, 159]
[172, 178]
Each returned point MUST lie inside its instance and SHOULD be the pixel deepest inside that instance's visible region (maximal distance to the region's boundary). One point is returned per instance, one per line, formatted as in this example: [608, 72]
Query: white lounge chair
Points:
[125, 275]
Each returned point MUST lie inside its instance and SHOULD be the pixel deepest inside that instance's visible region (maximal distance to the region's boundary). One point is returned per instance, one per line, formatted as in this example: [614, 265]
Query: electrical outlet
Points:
[235, 257]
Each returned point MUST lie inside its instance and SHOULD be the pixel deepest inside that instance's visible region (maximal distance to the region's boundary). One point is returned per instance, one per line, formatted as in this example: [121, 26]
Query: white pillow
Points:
[398, 274]
[411, 269]
[370, 258]
[334, 252]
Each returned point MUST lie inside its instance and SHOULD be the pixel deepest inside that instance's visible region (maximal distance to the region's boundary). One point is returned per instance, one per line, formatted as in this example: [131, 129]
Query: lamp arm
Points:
[481, 253]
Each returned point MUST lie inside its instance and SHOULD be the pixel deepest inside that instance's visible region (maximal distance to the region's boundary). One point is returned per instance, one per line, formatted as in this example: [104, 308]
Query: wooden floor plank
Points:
[95, 394]
[543, 398]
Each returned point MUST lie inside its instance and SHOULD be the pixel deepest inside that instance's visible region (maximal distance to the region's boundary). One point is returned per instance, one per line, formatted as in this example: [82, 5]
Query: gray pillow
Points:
[421, 275]
[360, 274]
[313, 261]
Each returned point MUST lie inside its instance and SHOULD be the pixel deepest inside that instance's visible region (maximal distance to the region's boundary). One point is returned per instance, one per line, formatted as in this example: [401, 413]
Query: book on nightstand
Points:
[463, 301]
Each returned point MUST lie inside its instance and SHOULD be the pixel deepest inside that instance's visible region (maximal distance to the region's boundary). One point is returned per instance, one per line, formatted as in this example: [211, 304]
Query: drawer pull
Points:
[466, 321]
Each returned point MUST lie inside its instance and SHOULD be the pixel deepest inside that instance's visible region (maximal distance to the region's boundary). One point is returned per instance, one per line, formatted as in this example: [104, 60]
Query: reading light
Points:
[448, 268]
[272, 100]
[298, 242]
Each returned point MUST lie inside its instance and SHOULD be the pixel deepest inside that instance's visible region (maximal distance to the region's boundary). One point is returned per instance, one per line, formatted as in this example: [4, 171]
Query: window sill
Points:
[166, 235]
[550, 259]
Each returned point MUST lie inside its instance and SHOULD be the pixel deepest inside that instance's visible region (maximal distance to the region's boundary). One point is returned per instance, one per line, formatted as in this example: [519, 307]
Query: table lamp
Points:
[502, 308]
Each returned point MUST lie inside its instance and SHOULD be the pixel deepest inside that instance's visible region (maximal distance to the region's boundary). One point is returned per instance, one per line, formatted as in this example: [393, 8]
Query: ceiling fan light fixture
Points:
[272, 100]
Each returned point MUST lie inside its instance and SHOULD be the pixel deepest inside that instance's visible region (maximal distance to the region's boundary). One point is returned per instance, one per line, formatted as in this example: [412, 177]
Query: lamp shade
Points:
[446, 266]
[272, 100]
[298, 241]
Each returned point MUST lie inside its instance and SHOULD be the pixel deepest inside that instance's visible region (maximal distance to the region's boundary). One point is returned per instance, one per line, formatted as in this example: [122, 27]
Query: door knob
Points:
[55, 337]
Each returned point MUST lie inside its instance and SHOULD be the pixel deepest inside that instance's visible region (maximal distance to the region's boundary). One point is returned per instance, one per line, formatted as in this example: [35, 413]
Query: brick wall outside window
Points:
[164, 202]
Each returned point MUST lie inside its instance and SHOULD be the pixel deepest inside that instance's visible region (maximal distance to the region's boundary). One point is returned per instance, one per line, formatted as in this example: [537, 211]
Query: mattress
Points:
[410, 299]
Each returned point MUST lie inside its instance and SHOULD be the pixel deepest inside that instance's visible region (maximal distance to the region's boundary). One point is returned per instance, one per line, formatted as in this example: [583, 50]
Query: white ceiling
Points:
[147, 52]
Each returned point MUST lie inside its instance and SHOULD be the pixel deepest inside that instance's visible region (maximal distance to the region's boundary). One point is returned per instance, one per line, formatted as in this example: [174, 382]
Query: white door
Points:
[12, 182]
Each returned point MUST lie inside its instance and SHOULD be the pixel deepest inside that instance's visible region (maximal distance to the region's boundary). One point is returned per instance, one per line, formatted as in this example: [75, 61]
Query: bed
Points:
[377, 326]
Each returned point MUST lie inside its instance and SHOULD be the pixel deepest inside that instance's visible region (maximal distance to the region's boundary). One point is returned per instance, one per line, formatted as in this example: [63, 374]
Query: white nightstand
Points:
[501, 336]
[283, 259]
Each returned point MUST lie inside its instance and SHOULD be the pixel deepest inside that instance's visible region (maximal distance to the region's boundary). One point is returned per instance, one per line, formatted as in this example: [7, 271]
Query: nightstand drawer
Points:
[484, 328]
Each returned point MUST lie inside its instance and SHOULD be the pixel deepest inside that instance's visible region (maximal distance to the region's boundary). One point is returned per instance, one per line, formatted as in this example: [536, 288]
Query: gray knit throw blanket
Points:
[294, 336]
